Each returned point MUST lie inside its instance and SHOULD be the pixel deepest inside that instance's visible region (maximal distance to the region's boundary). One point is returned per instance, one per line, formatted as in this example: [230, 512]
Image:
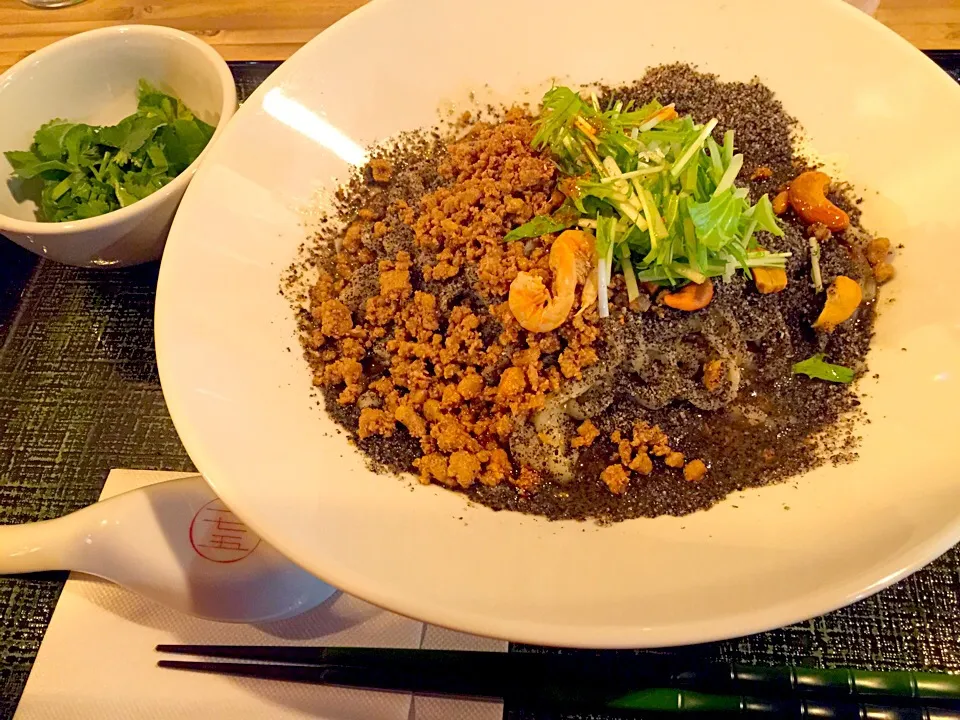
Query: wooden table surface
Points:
[273, 29]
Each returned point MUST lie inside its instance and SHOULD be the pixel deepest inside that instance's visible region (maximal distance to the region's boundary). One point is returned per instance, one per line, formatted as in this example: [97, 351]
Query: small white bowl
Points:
[92, 77]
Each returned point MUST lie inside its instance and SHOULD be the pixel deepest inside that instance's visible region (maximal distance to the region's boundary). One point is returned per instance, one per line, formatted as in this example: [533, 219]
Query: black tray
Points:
[79, 395]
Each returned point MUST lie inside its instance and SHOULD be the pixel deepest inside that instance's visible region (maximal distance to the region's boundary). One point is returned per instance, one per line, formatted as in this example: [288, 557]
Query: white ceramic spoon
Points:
[173, 542]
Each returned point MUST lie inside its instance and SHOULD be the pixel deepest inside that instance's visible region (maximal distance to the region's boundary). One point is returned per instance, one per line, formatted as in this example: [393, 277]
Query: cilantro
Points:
[85, 170]
[816, 367]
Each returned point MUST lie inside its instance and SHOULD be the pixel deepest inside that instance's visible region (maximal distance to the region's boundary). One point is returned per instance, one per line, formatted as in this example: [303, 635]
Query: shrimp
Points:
[591, 291]
[534, 307]
[584, 248]
[585, 251]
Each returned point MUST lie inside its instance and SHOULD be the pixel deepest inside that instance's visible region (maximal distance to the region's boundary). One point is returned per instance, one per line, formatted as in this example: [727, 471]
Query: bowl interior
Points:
[93, 78]
[239, 392]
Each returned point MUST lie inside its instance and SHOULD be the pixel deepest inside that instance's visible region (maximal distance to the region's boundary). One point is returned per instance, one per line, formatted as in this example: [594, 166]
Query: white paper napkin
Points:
[98, 661]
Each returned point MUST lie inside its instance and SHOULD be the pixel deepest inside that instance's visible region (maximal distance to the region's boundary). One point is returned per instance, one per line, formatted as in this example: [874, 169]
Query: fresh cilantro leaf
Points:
[540, 225]
[21, 158]
[816, 367]
[48, 140]
[142, 183]
[152, 101]
[130, 134]
[159, 160]
[88, 171]
[26, 165]
[183, 141]
[79, 145]
[123, 195]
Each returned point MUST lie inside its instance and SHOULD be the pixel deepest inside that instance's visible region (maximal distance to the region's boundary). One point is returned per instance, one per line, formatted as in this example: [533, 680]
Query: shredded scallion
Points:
[659, 191]
[815, 264]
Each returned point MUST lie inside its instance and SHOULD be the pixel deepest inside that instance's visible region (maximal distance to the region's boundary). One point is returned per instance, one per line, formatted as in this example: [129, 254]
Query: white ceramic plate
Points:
[870, 104]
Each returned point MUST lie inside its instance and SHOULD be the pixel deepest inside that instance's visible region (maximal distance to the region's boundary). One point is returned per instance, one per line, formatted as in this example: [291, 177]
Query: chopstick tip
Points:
[181, 649]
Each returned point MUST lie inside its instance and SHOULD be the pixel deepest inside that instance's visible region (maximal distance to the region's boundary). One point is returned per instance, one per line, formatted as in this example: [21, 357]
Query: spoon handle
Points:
[125, 533]
[128, 532]
[174, 542]
[37, 546]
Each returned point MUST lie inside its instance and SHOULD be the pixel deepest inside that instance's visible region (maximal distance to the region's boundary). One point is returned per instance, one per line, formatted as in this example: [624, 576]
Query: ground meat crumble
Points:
[447, 361]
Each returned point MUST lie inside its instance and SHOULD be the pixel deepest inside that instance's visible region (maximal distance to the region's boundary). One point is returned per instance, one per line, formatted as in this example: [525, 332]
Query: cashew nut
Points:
[691, 297]
[770, 280]
[780, 203]
[808, 198]
[843, 297]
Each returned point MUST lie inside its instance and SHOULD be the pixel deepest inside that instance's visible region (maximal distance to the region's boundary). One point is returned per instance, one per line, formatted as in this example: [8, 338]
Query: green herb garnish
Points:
[85, 170]
[658, 189]
[816, 367]
[540, 225]
[566, 216]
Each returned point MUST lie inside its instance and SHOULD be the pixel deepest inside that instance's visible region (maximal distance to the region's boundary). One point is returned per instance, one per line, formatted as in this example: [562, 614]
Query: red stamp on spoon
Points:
[220, 536]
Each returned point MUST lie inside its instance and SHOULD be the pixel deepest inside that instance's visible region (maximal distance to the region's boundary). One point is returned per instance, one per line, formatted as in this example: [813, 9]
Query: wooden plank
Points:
[256, 30]
[239, 29]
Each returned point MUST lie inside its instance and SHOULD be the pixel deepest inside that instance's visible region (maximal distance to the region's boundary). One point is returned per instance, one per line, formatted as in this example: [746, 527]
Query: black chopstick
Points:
[615, 669]
[648, 703]
[569, 683]
[345, 677]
